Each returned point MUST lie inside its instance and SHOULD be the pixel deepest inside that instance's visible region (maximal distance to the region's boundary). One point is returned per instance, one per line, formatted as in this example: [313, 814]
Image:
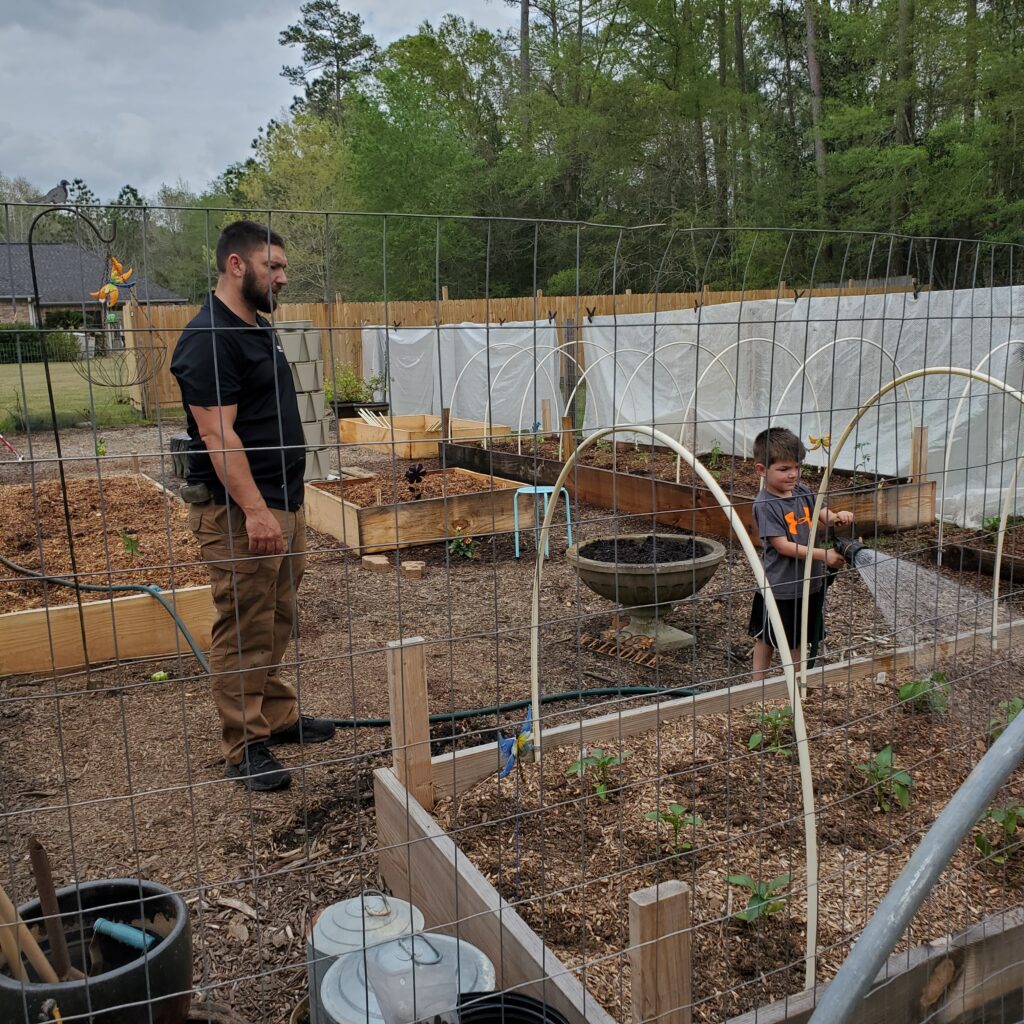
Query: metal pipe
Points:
[842, 997]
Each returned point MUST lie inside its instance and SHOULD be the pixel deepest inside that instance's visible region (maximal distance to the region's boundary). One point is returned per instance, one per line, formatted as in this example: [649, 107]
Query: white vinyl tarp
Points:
[458, 366]
[722, 373]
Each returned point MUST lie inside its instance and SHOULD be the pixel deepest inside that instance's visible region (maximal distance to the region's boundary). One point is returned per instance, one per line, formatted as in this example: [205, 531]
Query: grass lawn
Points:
[108, 407]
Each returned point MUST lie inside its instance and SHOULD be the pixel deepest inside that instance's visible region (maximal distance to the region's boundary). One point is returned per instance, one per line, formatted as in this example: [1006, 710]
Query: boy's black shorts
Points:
[761, 629]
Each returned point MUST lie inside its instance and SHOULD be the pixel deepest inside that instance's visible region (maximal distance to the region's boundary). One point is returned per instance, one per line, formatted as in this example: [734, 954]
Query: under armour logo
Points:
[792, 522]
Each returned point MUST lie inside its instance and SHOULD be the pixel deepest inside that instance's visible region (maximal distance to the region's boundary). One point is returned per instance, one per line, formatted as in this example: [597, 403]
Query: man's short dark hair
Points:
[244, 237]
[777, 444]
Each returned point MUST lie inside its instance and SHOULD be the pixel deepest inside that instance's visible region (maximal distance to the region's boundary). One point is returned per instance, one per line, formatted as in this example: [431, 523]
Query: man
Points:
[247, 456]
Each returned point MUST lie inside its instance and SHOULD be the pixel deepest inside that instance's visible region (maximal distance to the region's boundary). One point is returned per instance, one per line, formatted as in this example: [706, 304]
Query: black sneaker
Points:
[304, 730]
[259, 770]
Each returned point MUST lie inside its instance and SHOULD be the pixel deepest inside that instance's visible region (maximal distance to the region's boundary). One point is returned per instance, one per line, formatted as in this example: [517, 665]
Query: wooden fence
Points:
[155, 330]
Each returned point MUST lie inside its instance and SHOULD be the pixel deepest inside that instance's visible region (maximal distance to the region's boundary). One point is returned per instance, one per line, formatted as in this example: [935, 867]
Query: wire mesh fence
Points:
[555, 743]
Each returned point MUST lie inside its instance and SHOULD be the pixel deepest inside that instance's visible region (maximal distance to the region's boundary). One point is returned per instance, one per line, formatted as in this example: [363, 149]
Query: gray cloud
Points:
[153, 91]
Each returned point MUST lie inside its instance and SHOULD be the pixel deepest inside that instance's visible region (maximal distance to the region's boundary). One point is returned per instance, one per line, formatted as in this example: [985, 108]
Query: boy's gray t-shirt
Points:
[790, 518]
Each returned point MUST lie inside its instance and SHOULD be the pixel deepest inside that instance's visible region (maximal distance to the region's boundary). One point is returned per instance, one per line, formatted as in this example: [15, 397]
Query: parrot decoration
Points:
[110, 293]
[824, 442]
[521, 743]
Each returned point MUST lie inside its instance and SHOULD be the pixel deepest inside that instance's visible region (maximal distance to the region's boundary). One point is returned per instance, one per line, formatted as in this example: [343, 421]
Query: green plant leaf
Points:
[745, 880]
[780, 882]
[755, 741]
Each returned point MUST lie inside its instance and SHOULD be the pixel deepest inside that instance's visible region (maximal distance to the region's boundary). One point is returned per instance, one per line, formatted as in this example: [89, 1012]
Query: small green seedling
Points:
[765, 897]
[101, 447]
[131, 543]
[602, 763]
[715, 457]
[990, 524]
[887, 780]
[676, 817]
[861, 458]
[1008, 711]
[928, 695]
[460, 545]
[602, 446]
[1008, 818]
[160, 677]
[773, 728]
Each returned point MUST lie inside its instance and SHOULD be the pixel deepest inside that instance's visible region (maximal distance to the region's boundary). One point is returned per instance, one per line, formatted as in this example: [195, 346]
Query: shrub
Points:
[24, 343]
[348, 386]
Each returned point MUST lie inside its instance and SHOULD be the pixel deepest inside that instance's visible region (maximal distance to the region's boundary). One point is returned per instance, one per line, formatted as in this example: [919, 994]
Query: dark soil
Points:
[649, 551]
[737, 475]
[387, 488]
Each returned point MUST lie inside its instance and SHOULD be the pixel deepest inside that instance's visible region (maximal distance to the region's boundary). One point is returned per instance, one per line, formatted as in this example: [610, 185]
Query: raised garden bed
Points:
[639, 488]
[382, 513]
[413, 437]
[127, 531]
[975, 550]
[538, 867]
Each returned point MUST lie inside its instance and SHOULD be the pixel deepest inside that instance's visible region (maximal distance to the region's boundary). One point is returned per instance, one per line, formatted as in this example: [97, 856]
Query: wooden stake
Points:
[545, 415]
[919, 454]
[9, 919]
[410, 724]
[444, 293]
[659, 953]
[446, 424]
[135, 463]
[48, 903]
[567, 440]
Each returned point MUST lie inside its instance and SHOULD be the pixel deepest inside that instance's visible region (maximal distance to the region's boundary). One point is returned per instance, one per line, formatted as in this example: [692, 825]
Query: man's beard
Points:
[257, 298]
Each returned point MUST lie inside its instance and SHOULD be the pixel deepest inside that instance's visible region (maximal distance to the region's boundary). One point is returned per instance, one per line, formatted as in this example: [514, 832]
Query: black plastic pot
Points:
[350, 410]
[130, 987]
[506, 1008]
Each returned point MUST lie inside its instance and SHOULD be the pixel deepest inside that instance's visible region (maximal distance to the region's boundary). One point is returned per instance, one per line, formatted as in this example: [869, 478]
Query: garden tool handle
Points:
[10, 920]
[51, 909]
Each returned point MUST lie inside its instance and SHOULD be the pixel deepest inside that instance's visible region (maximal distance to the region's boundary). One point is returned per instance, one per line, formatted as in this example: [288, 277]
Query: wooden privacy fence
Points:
[158, 327]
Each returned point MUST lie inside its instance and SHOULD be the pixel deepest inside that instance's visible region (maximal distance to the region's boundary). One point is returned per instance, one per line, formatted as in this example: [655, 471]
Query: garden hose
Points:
[135, 588]
[518, 705]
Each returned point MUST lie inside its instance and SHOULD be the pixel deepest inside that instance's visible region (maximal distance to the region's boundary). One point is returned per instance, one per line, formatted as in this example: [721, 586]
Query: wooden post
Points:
[135, 463]
[659, 953]
[446, 424]
[567, 439]
[444, 293]
[545, 415]
[918, 454]
[410, 723]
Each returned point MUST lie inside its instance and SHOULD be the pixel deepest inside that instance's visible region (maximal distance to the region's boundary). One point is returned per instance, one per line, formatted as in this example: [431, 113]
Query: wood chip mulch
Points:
[568, 860]
[388, 488]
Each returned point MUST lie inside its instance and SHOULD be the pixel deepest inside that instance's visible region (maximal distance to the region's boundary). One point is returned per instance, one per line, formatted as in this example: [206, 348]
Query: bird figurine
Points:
[510, 749]
[110, 293]
[58, 195]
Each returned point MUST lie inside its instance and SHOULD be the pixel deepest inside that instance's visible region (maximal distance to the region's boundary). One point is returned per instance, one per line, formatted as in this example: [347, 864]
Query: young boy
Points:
[782, 512]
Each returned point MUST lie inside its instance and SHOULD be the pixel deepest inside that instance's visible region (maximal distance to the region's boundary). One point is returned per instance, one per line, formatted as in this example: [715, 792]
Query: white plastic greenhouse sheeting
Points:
[849, 347]
[515, 362]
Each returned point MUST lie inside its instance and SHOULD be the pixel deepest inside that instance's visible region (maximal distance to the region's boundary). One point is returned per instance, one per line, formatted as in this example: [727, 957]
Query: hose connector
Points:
[849, 548]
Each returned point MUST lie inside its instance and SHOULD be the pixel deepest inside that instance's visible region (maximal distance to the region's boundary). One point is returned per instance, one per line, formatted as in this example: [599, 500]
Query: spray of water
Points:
[918, 604]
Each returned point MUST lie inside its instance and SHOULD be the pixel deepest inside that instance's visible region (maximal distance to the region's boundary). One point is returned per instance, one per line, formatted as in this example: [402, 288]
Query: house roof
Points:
[66, 274]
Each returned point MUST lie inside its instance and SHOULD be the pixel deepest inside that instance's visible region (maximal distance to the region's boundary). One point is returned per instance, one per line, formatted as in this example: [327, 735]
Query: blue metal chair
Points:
[545, 491]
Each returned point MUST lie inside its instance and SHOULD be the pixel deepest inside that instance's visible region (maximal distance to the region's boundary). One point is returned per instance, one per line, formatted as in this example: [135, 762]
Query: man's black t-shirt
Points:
[222, 360]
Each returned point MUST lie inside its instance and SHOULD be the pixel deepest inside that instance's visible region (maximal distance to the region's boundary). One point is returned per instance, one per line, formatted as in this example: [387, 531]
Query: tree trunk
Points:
[970, 62]
[720, 126]
[905, 74]
[814, 78]
[739, 46]
[524, 47]
[788, 66]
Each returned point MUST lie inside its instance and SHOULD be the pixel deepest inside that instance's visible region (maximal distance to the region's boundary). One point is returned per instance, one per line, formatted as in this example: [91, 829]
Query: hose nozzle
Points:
[848, 547]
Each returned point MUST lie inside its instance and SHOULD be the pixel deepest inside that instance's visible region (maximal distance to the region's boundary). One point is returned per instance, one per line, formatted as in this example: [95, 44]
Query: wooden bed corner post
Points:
[918, 454]
[446, 424]
[410, 721]
[567, 439]
[660, 955]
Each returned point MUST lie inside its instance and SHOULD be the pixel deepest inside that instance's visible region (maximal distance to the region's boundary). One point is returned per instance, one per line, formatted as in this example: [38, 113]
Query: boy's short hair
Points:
[777, 444]
[244, 237]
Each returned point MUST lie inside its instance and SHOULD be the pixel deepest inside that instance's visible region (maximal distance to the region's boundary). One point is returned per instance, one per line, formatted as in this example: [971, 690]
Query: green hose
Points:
[518, 705]
[359, 723]
[135, 588]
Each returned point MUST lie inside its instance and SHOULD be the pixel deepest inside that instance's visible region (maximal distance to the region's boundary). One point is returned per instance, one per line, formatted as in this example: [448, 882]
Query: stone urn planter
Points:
[647, 574]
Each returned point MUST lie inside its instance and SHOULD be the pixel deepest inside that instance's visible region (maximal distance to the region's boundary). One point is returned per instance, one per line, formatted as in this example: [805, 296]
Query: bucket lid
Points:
[347, 998]
[363, 921]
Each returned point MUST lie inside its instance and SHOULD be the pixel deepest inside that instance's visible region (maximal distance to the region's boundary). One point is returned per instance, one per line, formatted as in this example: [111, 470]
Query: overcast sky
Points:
[151, 91]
